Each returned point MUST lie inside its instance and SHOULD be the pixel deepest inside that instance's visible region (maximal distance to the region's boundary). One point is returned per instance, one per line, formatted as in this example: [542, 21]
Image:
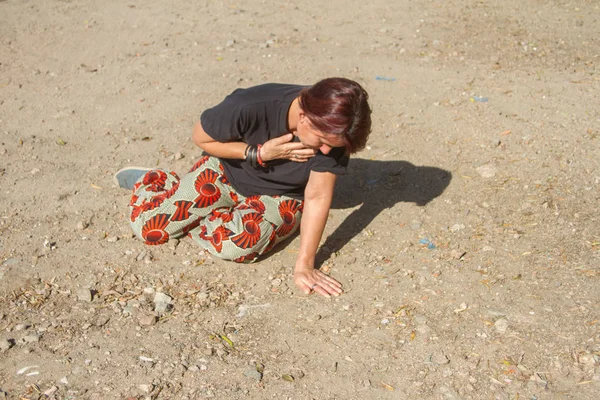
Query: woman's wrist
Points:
[304, 264]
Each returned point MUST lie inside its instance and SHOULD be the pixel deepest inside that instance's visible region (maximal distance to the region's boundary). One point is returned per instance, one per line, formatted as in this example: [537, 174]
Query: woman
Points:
[274, 152]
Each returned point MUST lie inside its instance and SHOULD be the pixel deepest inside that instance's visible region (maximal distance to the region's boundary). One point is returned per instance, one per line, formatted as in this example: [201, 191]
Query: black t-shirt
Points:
[254, 116]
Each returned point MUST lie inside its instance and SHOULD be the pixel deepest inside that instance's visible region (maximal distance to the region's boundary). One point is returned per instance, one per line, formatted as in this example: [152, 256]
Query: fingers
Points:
[283, 139]
[318, 282]
[301, 155]
[326, 285]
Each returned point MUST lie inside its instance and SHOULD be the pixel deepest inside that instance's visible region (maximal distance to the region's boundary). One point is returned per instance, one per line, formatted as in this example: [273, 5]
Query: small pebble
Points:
[6, 344]
[456, 227]
[160, 297]
[112, 239]
[141, 255]
[486, 171]
[81, 225]
[50, 392]
[31, 338]
[162, 303]
[253, 373]
[21, 327]
[147, 320]
[84, 294]
[501, 325]
[146, 388]
[149, 290]
[457, 254]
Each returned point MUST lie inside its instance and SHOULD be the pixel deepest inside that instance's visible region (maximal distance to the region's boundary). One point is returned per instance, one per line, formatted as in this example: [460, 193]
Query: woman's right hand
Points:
[282, 148]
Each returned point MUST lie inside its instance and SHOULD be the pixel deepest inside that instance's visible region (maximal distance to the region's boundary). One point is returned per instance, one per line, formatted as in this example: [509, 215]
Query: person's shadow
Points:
[375, 186]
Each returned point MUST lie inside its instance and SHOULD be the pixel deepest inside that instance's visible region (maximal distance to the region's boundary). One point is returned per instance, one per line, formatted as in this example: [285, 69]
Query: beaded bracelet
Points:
[259, 158]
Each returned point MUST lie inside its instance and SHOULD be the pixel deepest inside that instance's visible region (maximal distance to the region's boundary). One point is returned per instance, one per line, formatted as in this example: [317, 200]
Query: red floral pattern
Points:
[155, 180]
[251, 234]
[246, 258]
[153, 230]
[208, 192]
[287, 211]
[182, 213]
[199, 163]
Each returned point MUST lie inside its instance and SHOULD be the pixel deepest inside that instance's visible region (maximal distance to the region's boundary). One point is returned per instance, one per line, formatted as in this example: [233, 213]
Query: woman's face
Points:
[315, 139]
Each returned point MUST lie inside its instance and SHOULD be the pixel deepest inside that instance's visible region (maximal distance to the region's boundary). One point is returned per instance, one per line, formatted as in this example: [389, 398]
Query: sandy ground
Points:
[466, 235]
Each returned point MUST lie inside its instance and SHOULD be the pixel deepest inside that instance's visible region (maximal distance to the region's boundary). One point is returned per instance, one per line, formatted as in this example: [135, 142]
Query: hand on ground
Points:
[309, 280]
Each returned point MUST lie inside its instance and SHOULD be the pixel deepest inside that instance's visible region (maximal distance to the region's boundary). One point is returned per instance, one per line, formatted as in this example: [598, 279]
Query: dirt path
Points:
[466, 235]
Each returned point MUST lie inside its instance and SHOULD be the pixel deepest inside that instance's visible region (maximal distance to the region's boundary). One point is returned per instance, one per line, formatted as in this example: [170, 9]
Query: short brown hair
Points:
[339, 106]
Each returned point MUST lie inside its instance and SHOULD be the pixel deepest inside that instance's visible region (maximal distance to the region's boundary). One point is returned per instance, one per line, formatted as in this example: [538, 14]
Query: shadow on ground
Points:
[376, 186]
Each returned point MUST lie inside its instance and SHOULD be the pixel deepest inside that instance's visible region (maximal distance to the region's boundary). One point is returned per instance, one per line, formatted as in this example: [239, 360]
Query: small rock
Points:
[501, 325]
[276, 282]
[208, 351]
[457, 254]
[178, 156]
[112, 239]
[253, 373]
[439, 358]
[147, 320]
[162, 303]
[81, 225]
[456, 227]
[50, 392]
[84, 294]
[21, 327]
[6, 344]
[160, 297]
[146, 388]
[142, 255]
[487, 171]
[35, 171]
[31, 338]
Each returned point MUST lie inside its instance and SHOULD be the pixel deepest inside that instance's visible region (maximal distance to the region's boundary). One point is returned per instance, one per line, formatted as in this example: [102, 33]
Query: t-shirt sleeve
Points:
[335, 162]
[226, 122]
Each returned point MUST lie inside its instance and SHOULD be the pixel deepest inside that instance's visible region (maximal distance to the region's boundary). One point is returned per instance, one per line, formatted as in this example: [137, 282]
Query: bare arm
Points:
[233, 150]
[317, 201]
[277, 148]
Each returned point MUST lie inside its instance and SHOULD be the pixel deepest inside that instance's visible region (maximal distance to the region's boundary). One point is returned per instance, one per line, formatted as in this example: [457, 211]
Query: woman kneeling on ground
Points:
[274, 152]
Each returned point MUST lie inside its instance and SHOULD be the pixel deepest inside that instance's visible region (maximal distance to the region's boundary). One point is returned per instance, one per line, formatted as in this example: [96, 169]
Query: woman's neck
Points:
[293, 115]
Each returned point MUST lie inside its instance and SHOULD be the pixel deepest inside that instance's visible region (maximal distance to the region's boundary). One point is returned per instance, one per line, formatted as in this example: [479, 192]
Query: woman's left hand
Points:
[310, 279]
